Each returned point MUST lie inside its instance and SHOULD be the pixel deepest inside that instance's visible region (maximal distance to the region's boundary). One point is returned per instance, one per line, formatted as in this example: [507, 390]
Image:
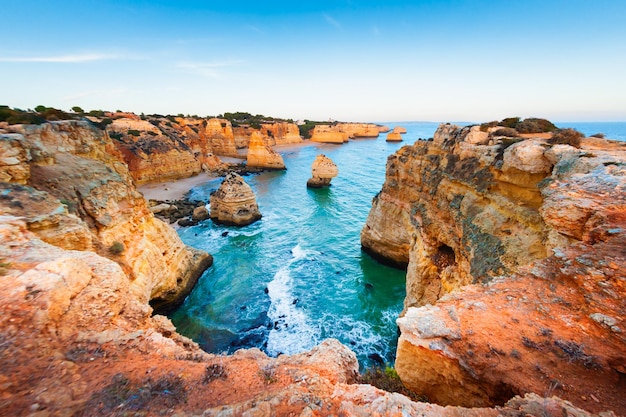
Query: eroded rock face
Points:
[81, 196]
[172, 148]
[234, 203]
[394, 137]
[323, 170]
[261, 155]
[342, 132]
[469, 207]
[328, 134]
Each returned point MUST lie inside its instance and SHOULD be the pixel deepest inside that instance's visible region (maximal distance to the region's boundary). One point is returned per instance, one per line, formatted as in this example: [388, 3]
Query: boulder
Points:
[200, 213]
[323, 170]
[234, 203]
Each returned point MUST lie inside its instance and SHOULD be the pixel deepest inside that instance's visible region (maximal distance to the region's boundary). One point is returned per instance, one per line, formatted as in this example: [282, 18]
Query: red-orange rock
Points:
[469, 214]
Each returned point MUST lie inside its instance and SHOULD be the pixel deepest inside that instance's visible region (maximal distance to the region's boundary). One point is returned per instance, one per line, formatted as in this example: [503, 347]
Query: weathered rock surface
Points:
[261, 155]
[394, 137]
[78, 338]
[342, 132]
[323, 170]
[328, 134]
[234, 203]
[399, 129]
[468, 207]
[277, 133]
[171, 148]
[81, 197]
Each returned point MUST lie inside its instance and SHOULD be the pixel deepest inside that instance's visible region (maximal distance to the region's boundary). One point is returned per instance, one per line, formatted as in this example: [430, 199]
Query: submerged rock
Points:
[323, 171]
[234, 203]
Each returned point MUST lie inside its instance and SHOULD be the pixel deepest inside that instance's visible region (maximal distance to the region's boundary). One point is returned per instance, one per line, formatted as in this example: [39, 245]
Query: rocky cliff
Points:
[162, 148]
[80, 196]
[342, 132]
[472, 208]
[261, 155]
[80, 256]
[323, 170]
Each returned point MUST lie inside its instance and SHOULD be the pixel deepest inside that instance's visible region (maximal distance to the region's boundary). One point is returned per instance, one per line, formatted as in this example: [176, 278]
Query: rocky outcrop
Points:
[328, 134]
[342, 132]
[234, 202]
[78, 338]
[360, 130]
[171, 148]
[394, 137]
[399, 129]
[81, 197]
[472, 215]
[261, 155]
[281, 133]
[323, 170]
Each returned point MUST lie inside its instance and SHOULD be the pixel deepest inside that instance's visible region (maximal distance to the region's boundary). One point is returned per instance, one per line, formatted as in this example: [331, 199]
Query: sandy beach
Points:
[176, 189]
[173, 190]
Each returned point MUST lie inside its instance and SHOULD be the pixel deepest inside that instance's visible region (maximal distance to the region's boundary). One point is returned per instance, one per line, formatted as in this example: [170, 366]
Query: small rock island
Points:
[234, 203]
[323, 171]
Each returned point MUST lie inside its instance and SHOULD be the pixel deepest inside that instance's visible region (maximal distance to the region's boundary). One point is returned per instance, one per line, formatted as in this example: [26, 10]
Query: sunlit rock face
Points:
[261, 155]
[342, 132]
[163, 148]
[81, 196]
[323, 170]
[234, 203]
[512, 248]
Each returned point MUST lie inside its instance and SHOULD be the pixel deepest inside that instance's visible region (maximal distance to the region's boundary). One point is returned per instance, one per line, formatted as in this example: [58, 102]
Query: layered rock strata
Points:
[468, 207]
[261, 155]
[277, 133]
[394, 137]
[80, 196]
[323, 170]
[78, 338]
[328, 134]
[234, 203]
[172, 148]
[342, 132]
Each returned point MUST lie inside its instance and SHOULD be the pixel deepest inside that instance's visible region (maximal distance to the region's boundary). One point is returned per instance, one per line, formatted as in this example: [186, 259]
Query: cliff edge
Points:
[515, 265]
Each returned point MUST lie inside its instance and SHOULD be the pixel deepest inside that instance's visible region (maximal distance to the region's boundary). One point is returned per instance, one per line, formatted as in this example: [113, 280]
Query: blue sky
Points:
[449, 60]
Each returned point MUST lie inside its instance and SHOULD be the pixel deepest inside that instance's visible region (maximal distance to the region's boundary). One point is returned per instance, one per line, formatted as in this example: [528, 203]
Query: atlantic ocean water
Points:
[298, 276]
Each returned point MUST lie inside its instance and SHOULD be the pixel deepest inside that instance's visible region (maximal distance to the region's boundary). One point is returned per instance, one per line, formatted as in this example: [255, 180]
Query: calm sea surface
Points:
[298, 276]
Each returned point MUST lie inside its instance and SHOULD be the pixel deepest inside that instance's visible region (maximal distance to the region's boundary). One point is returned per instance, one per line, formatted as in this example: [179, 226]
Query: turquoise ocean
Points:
[298, 276]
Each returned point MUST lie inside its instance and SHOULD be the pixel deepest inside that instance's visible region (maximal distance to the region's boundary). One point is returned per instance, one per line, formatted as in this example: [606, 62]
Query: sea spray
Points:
[291, 331]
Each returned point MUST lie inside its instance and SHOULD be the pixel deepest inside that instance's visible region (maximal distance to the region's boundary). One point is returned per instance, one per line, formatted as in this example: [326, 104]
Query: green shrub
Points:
[133, 132]
[567, 136]
[510, 122]
[115, 135]
[506, 131]
[598, 135]
[117, 248]
[388, 380]
[535, 125]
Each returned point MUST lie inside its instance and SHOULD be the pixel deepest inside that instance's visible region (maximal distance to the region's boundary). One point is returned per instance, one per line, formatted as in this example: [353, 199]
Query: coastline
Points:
[176, 189]
[173, 189]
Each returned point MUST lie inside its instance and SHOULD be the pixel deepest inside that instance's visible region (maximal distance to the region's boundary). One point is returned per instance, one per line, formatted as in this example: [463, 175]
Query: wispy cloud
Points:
[255, 29]
[207, 69]
[63, 59]
[332, 21]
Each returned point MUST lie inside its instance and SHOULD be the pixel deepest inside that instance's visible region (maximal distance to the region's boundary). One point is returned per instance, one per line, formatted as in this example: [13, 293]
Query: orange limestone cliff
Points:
[323, 170]
[170, 148]
[234, 203]
[515, 266]
[328, 134]
[80, 196]
[80, 256]
[261, 155]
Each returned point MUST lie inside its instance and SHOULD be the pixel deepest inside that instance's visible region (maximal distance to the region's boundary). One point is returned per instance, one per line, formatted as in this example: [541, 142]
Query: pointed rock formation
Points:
[323, 170]
[234, 202]
[260, 155]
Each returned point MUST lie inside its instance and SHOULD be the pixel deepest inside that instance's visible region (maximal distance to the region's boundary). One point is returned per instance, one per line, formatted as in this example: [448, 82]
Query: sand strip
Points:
[175, 189]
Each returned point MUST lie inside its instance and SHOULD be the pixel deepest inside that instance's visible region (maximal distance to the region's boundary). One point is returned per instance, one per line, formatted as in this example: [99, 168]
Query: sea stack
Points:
[234, 203]
[323, 170]
[261, 155]
[396, 134]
